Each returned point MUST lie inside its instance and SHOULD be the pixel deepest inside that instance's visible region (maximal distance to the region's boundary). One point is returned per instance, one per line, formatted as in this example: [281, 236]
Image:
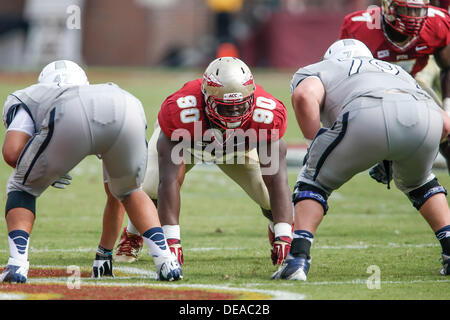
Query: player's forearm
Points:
[278, 186]
[280, 201]
[308, 122]
[169, 203]
[445, 85]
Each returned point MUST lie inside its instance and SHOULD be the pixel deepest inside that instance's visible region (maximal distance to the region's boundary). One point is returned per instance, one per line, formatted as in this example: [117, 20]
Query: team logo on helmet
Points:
[212, 81]
[249, 81]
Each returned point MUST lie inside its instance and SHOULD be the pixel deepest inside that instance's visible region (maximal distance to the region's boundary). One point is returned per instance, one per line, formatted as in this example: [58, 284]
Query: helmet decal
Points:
[212, 81]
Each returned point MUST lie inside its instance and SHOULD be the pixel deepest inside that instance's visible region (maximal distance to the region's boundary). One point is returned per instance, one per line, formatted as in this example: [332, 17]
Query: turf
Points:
[224, 235]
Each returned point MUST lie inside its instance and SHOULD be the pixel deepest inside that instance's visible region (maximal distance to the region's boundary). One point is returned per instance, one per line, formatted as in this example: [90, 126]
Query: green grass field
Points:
[223, 232]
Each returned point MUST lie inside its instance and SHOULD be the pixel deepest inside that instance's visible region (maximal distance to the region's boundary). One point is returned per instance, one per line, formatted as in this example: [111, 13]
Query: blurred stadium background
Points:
[186, 33]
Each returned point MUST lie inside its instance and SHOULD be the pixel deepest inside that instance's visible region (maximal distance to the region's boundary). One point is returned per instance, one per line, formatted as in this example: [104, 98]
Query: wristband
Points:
[283, 229]
[172, 231]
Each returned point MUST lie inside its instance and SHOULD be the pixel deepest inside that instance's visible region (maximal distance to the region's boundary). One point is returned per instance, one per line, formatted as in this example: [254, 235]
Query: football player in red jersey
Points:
[407, 33]
[212, 112]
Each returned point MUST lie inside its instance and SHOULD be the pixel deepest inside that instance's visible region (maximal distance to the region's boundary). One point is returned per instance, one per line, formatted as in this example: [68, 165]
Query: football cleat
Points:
[129, 247]
[445, 271]
[102, 267]
[293, 268]
[168, 268]
[15, 272]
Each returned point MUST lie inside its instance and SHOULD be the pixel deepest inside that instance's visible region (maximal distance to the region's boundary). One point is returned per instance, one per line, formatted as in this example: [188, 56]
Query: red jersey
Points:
[367, 27]
[185, 109]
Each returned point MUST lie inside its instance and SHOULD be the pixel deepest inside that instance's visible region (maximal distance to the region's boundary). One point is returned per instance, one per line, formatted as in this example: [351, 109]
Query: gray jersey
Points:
[72, 122]
[373, 111]
[345, 80]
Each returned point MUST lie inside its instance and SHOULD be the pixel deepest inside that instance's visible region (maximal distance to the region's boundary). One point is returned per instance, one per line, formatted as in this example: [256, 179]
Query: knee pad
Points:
[20, 199]
[303, 191]
[420, 195]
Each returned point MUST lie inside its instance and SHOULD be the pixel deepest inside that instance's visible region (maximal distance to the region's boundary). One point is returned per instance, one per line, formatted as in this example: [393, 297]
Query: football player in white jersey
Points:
[52, 126]
[371, 111]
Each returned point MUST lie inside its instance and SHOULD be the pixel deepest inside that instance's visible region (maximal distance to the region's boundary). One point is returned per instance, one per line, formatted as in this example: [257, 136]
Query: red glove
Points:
[280, 249]
[176, 249]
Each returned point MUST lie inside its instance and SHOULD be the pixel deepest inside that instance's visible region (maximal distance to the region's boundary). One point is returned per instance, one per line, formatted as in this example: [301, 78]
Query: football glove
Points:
[176, 249]
[62, 182]
[168, 268]
[102, 266]
[382, 172]
[280, 249]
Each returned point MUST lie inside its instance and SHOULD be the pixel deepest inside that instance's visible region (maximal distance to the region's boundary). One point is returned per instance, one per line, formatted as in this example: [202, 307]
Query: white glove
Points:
[168, 268]
[62, 182]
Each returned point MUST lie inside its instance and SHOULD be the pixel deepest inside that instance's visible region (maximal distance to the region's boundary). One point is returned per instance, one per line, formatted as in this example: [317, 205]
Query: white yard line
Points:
[357, 246]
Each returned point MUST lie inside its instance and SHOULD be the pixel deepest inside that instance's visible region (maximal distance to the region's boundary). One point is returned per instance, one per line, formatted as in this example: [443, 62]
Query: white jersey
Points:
[72, 122]
[345, 80]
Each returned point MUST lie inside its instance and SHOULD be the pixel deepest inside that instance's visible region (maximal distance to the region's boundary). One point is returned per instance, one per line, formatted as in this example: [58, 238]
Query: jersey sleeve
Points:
[269, 117]
[280, 122]
[437, 28]
[182, 111]
[166, 117]
[22, 122]
[10, 109]
[301, 75]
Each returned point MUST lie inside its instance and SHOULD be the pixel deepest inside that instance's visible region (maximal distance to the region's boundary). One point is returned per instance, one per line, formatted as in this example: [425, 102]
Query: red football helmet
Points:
[229, 89]
[405, 16]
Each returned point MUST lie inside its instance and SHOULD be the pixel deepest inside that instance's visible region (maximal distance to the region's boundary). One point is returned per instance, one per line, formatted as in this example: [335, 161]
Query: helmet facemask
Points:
[229, 114]
[405, 16]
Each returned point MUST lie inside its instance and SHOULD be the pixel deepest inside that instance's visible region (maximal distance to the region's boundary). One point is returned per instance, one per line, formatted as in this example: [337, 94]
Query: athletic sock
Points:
[154, 238]
[102, 252]
[18, 244]
[301, 244]
[443, 235]
[131, 228]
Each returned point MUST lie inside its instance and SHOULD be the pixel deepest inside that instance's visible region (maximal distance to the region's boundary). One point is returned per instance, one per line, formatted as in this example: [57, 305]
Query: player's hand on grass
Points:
[102, 267]
[280, 249]
[378, 172]
[168, 268]
[176, 249]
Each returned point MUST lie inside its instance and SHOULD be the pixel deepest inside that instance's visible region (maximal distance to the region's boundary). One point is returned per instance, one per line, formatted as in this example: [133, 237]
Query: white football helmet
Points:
[228, 88]
[63, 72]
[346, 49]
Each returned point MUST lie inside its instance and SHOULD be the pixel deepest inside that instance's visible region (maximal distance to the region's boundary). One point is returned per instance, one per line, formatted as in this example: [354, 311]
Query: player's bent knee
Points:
[20, 199]
[304, 191]
[420, 195]
[267, 213]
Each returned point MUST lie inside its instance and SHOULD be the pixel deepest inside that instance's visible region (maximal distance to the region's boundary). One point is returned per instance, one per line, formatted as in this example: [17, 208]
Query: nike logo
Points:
[421, 48]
